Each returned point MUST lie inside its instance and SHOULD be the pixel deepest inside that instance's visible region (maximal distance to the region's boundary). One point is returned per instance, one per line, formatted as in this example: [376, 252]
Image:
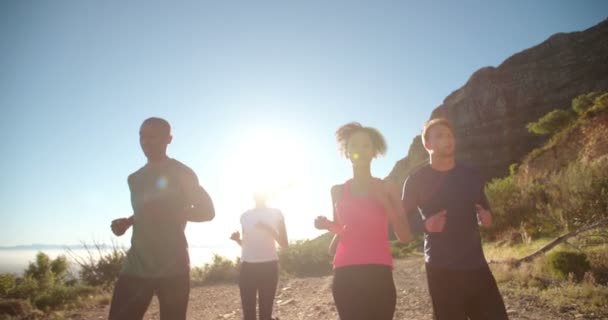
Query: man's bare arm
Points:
[200, 207]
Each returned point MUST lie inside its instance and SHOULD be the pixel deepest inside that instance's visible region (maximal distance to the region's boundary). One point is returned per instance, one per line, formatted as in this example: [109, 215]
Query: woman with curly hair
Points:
[363, 286]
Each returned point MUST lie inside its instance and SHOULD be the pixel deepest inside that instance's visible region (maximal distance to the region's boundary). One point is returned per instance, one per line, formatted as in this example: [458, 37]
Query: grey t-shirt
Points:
[158, 244]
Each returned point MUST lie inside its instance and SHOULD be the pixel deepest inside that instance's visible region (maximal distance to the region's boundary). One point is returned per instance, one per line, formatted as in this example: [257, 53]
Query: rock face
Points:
[416, 156]
[491, 111]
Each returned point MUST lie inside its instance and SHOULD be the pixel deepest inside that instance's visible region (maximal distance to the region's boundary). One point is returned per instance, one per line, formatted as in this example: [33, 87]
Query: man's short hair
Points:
[434, 122]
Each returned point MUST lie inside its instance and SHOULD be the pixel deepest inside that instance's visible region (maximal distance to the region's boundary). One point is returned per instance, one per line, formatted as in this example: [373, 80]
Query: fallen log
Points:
[554, 243]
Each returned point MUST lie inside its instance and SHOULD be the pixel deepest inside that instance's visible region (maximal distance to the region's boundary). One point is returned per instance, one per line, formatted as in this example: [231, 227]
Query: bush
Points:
[221, 270]
[564, 263]
[100, 268]
[552, 122]
[513, 168]
[59, 268]
[598, 259]
[47, 272]
[14, 307]
[577, 195]
[583, 102]
[7, 283]
[26, 288]
[44, 285]
[61, 296]
[563, 201]
[307, 258]
[515, 210]
[600, 103]
[504, 197]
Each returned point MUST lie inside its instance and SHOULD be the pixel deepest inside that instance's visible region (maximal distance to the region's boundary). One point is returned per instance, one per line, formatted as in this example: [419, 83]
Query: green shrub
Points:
[577, 195]
[46, 272]
[45, 285]
[220, 270]
[565, 200]
[513, 168]
[306, 258]
[26, 288]
[101, 268]
[61, 296]
[7, 283]
[599, 104]
[598, 260]
[504, 197]
[552, 122]
[564, 263]
[583, 102]
[515, 210]
[14, 308]
[59, 268]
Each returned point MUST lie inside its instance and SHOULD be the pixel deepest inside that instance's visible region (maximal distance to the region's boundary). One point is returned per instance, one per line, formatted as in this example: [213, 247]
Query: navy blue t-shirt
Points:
[457, 191]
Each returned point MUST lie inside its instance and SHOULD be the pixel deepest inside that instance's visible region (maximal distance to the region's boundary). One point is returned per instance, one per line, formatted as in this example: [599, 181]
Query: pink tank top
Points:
[364, 239]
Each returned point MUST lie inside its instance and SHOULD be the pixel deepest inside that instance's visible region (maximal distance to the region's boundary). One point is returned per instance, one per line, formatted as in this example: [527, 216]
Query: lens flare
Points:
[161, 183]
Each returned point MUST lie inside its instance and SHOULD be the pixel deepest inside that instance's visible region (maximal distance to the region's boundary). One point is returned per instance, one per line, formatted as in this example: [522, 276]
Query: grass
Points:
[587, 297]
[496, 252]
[584, 298]
[535, 280]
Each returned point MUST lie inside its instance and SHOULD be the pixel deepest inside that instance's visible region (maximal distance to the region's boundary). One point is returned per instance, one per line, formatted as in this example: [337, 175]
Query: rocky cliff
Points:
[491, 111]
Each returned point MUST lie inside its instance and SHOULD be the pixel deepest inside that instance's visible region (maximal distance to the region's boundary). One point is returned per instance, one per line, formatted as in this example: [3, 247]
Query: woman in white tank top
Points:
[262, 228]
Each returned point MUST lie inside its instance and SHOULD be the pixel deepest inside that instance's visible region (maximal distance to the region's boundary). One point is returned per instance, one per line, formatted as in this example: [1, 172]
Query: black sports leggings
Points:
[261, 279]
[364, 292]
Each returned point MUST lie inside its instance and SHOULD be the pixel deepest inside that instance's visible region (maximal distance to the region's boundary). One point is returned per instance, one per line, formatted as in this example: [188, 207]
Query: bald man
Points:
[165, 195]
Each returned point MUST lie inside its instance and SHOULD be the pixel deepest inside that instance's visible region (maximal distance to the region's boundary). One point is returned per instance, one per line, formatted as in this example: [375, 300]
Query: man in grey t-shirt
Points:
[165, 195]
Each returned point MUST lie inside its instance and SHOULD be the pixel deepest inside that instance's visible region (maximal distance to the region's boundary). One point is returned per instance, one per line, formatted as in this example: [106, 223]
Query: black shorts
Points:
[465, 294]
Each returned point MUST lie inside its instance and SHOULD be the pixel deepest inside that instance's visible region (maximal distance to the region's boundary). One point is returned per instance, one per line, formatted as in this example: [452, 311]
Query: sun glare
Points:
[271, 162]
[280, 163]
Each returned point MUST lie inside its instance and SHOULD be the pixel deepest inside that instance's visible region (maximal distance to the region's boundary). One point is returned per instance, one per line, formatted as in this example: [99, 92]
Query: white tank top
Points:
[258, 245]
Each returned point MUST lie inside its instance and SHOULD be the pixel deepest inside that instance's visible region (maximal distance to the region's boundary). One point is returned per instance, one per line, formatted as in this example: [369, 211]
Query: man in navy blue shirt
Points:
[450, 199]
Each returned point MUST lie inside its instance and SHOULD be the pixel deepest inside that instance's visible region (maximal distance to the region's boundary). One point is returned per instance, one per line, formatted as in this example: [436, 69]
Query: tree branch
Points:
[555, 242]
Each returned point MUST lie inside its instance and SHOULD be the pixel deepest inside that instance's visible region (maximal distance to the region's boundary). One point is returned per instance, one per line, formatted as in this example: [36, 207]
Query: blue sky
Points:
[78, 77]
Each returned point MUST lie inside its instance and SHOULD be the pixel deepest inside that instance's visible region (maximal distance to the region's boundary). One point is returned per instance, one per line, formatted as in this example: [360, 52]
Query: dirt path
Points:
[310, 298]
